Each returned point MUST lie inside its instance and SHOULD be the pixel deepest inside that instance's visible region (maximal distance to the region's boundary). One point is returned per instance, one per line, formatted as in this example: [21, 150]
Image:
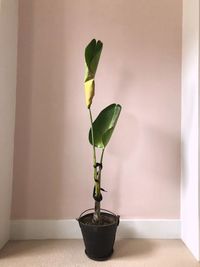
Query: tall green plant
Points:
[102, 128]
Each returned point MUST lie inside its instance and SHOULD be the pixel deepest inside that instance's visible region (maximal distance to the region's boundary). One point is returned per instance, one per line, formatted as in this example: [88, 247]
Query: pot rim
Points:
[104, 211]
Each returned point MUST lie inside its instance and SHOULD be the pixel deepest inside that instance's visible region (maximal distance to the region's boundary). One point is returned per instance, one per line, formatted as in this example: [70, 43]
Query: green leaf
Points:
[89, 52]
[104, 125]
[92, 56]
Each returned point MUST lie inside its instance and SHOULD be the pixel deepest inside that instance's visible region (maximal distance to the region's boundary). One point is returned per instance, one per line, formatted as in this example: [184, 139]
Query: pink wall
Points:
[140, 68]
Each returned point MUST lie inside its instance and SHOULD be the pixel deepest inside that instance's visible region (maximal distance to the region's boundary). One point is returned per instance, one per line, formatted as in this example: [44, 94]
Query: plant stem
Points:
[99, 172]
[96, 217]
[97, 208]
[92, 133]
[102, 153]
[97, 176]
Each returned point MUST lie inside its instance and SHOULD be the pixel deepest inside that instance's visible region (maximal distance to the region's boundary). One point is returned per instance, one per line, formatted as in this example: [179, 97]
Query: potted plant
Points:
[98, 226]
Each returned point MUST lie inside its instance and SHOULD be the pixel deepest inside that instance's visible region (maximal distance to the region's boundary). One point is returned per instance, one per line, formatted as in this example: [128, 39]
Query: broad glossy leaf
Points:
[104, 125]
[92, 56]
[89, 52]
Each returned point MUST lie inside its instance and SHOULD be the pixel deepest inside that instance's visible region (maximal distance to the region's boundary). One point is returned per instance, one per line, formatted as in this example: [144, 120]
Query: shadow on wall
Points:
[128, 126]
[40, 110]
[153, 161]
[149, 156]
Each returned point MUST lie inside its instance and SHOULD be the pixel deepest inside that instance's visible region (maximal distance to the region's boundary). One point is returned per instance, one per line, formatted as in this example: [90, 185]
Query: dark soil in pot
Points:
[99, 239]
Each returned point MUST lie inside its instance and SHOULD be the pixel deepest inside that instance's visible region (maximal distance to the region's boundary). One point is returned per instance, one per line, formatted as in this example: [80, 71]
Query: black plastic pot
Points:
[99, 239]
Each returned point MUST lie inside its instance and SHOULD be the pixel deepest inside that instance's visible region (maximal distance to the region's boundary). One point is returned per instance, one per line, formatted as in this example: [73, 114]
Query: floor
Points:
[70, 253]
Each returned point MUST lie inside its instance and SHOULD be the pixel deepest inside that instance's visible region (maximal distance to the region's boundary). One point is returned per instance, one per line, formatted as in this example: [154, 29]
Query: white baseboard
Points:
[69, 229]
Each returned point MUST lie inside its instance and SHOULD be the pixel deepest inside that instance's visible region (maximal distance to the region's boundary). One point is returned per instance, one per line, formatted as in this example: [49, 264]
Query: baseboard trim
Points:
[69, 229]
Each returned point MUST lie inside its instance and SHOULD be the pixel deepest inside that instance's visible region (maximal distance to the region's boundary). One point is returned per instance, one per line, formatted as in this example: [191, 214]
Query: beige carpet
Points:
[70, 253]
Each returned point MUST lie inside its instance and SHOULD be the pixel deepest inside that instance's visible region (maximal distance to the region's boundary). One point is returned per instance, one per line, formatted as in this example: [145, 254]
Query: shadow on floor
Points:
[20, 248]
[126, 248]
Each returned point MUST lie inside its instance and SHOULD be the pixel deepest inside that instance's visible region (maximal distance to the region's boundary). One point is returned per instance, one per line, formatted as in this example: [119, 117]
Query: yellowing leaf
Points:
[89, 92]
[92, 56]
